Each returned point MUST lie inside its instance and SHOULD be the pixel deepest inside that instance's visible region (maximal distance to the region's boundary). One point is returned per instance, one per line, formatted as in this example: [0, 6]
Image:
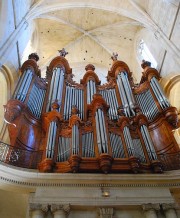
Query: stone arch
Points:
[6, 90]
[171, 86]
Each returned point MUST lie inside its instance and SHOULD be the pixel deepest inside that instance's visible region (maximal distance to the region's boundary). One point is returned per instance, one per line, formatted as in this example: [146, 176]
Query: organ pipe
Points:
[110, 139]
[88, 145]
[73, 97]
[147, 104]
[148, 142]
[164, 103]
[56, 88]
[51, 140]
[75, 140]
[110, 96]
[91, 90]
[23, 86]
[139, 150]
[128, 141]
[63, 152]
[101, 132]
[116, 146]
[126, 94]
[36, 100]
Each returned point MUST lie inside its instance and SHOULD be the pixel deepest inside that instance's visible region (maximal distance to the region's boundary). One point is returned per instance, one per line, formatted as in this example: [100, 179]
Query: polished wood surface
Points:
[28, 132]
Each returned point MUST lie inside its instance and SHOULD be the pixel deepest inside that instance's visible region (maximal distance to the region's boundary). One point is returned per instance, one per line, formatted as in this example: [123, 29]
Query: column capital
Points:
[65, 208]
[168, 206]
[106, 212]
[147, 207]
[37, 206]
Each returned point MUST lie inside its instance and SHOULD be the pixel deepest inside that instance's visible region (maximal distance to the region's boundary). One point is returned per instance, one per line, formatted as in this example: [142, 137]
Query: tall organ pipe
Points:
[50, 91]
[159, 93]
[123, 96]
[73, 96]
[128, 141]
[51, 140]
[126, 93]
[101, 132]
[22, 89]
[148, 142]
[91, 90]
[56, 87]
[75, 140]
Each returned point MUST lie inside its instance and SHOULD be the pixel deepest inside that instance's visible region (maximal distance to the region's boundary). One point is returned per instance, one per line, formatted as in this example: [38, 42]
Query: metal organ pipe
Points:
[51, 140]
[88, 145]
[73, 96]
[126, 93]
[139, 150]
[147, 104]
[117, 146]
[63, 149]
[101, 132]
[159, 93]
[22, 89]
[75, 140]
[56, 83]
[36, 100]
[50, 91]
[128, 141]
[123, 97]
[56, 87]
[110, 97]
[60, 87]
[148, 142]
[91, 90]
[21, 80]
[98, 134]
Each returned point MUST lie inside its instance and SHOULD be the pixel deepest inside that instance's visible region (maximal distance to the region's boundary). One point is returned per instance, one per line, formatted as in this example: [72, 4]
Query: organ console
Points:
[88, 127]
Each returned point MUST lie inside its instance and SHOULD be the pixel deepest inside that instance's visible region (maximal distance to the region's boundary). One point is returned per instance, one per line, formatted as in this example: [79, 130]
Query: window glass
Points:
[145, 54]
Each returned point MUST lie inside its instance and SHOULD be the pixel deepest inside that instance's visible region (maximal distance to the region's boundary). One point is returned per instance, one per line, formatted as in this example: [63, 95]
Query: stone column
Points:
[38, 210]
[60, 211]
[150, 210]
[106, 212]
[169, 210]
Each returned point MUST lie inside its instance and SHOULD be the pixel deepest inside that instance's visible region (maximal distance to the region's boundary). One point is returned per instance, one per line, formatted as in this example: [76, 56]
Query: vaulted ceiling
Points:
[92, 30]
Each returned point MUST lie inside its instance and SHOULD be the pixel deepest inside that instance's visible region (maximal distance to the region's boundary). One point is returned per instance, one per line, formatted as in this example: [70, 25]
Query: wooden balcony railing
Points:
[29, 159]
[170, 161]
[19, 157]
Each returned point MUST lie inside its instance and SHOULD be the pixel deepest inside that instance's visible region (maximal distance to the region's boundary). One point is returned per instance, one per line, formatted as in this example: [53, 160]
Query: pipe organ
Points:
[144, 100]
[101, 132]
[159, 93]
[73, 96]
[56, 87]
[88, 127]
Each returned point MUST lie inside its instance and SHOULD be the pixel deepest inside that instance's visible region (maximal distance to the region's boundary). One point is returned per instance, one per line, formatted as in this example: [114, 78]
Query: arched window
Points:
[145, 54]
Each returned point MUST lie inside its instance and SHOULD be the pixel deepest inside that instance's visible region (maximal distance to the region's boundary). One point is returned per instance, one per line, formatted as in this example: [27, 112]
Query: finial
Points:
[114, 56]
[145, 64]
[62, 52]
[90, 67]
[33, 56]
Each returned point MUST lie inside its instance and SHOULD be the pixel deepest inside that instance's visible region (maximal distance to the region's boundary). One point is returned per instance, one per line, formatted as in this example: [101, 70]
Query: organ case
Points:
[88, 127]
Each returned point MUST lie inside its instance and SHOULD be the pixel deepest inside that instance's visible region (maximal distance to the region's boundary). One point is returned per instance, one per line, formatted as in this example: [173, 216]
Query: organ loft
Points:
[58, 125]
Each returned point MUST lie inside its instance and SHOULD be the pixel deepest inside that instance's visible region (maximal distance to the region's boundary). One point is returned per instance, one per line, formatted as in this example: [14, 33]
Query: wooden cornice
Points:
[60, 61]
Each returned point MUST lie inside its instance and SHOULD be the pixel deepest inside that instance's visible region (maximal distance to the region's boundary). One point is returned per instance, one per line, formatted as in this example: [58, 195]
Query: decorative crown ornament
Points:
[62, 52]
